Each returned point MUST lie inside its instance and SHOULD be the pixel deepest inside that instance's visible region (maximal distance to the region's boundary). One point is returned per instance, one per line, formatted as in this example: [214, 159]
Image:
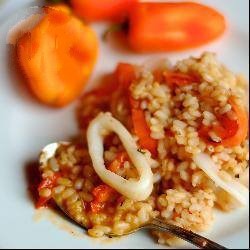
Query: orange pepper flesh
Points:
[178, 79]
[141, 128]
[242, 121]
[121, 78]
[231, 132]
[102, 194]
[173, 26]
[46, 183]
[104, 10]
[57, 56]
[118, 162]
[125, 74]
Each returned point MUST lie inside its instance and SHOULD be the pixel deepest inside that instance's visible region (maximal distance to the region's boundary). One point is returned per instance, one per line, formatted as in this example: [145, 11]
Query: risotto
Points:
[186, 123]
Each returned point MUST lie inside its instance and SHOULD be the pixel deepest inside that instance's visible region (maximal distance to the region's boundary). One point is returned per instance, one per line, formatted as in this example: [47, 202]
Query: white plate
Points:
[27, 126]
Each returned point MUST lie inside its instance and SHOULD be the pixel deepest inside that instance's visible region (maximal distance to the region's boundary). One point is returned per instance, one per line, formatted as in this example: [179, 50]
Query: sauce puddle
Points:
[58, 221]
[61, 223]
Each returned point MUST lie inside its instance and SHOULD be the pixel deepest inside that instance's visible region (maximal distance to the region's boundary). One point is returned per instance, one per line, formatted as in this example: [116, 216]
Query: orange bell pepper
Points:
[102, 10]
[155, 26]
[231, 132]
[57, 56]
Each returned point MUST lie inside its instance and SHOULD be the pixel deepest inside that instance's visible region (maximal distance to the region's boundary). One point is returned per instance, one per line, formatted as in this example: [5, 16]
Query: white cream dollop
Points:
[99, 127]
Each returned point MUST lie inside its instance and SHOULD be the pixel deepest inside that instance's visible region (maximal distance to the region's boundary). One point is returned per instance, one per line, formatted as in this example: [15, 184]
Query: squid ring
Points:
[137, 190]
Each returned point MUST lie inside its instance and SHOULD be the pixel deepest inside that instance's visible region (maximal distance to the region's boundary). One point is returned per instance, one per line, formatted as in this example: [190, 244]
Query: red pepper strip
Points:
[159, 75]
[102, 194]
[141, 128]
[227, 128]
[118, 162]
[155, 26]
[106, 88]
[242, 123]
[102, 10]
[231, 132]
[125, 75]
[121, 78]
[178, 79]
[46, 183]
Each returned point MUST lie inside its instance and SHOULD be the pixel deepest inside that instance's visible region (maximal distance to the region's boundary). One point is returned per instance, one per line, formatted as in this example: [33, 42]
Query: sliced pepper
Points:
[121, 78]
[231, 132]
[125, 75]
[178, 79]
[118, 162]
[102, 194]
[141, 127]
[46, 183]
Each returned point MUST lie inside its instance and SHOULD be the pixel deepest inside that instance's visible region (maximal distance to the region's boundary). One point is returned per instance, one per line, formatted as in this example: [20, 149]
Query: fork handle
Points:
[184, 234]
